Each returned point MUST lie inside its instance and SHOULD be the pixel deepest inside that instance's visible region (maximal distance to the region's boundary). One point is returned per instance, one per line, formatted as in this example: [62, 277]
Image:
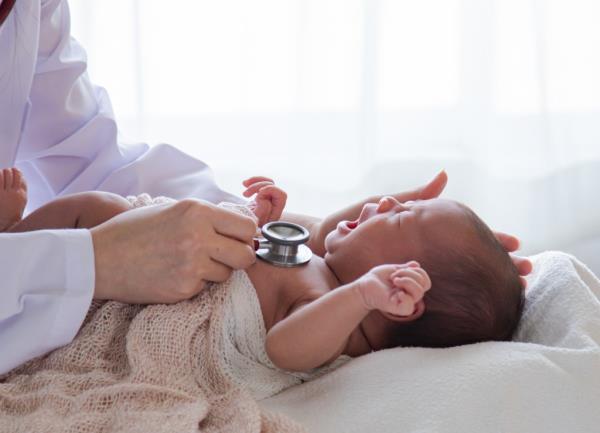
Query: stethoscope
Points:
[283, 244]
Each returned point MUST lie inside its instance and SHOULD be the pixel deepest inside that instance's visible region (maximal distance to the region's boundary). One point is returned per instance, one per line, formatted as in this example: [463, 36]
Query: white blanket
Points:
[547, 380]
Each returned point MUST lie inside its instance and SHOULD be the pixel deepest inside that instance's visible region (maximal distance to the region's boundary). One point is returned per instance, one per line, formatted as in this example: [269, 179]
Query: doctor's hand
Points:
[510, 244]
[167, 253]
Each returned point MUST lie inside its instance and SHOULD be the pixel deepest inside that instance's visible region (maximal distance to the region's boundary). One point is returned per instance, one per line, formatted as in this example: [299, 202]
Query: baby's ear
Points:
[419, 310]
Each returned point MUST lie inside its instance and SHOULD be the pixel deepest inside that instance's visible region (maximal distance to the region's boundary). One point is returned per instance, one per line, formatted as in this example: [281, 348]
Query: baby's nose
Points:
[367, 211]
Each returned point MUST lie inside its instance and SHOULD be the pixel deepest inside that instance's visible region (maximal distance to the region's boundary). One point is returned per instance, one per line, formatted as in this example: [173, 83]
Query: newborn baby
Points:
[366, 293]
[369, 292]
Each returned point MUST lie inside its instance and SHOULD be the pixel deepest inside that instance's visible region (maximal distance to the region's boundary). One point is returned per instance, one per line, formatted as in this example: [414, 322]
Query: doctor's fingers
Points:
[230, 252]
[227, 223]
[216, 272]
[509, 242]
[431, 190]
[523, 264]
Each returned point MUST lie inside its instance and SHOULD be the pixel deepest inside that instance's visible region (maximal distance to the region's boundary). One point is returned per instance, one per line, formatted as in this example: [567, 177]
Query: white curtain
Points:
[338, 99]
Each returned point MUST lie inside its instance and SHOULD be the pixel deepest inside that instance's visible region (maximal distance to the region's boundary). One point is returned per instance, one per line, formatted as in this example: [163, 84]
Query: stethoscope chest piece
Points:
[283, 244]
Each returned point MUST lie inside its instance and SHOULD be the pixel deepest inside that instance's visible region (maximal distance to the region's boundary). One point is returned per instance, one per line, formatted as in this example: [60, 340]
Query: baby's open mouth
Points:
[351, 224]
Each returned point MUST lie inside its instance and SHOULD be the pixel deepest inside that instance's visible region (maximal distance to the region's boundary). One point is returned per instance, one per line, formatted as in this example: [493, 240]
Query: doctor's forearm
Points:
[47, 284]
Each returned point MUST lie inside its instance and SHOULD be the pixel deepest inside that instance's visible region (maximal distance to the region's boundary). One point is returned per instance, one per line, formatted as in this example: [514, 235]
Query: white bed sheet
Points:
[546, 381]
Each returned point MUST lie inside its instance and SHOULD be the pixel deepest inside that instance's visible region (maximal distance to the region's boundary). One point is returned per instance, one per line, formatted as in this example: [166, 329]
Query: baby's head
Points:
[476, 293]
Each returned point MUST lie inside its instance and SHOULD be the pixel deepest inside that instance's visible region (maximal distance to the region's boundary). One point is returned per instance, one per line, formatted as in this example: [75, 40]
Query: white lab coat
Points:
[59, 130]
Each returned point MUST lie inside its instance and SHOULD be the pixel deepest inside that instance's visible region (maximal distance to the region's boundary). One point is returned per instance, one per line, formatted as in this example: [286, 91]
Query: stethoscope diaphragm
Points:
[283, 244]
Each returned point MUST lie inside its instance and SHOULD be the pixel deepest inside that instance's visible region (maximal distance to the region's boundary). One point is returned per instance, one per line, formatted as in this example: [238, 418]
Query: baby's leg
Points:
[13, 197]
[82, 210]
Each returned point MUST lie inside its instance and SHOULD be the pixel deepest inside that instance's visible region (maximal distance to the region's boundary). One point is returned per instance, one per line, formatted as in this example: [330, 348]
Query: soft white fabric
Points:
[59, 129]
[46, 286]
[547, 380]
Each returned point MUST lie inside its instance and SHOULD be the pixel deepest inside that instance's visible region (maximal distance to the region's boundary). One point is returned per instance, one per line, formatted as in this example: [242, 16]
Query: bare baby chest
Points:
[279, 289]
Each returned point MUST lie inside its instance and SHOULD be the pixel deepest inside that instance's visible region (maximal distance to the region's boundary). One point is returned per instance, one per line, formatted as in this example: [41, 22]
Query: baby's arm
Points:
[316, 333]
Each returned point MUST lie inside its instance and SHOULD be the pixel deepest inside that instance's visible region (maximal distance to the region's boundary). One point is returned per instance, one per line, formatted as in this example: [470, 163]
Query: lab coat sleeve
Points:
[69, 142]
[47, 284]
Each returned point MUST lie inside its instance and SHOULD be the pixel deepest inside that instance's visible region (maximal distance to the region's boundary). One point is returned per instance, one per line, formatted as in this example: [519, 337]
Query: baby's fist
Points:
[394, 289]
[269, 201]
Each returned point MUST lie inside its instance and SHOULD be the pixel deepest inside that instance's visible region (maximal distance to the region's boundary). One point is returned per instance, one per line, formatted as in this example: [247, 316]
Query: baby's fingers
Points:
[254, 188]
[255, 179]
[410, 286]
[417, 274]
[403, 304]
[8, 178]
[277, 197]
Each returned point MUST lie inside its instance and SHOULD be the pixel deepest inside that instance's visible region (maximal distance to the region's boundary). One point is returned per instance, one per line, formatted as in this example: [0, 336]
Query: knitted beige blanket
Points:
[134, 368]
[137, 368]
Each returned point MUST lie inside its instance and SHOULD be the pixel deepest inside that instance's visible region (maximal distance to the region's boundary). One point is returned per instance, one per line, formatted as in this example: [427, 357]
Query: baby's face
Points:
[393, 232]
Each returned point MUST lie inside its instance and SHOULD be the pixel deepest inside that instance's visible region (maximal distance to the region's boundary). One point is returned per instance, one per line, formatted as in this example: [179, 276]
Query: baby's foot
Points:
[13, 197]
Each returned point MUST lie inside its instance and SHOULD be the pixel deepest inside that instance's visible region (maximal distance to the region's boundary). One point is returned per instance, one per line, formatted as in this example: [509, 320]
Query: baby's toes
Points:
[8, 178]
[18, 181]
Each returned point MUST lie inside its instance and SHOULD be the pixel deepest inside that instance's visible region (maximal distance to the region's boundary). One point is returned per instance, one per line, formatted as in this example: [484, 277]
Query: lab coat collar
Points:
[19, 37]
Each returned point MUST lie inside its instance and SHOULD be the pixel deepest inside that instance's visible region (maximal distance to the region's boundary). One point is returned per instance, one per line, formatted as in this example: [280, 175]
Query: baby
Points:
[369, 292]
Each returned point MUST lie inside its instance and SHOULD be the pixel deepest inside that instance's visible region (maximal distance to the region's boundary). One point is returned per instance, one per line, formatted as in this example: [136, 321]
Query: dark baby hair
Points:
[476, 294]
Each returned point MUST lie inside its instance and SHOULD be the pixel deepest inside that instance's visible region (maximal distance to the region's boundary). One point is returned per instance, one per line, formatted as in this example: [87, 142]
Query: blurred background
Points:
[341, 99]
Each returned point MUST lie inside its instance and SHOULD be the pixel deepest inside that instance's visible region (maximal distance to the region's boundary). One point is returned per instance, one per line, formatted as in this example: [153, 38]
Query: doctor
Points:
[59, 130]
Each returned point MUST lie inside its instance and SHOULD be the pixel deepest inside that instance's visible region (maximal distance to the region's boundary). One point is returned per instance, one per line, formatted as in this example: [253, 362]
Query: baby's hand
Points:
[394, 289]
[269, 201]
